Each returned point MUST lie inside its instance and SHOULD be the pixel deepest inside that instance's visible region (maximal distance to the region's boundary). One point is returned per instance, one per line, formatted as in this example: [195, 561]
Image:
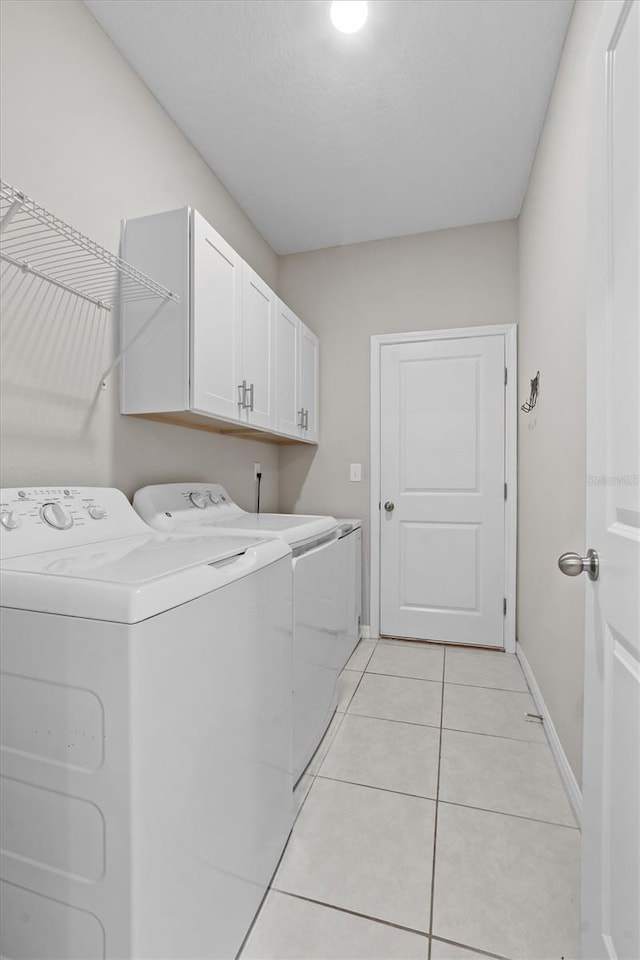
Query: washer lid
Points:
[131, 579]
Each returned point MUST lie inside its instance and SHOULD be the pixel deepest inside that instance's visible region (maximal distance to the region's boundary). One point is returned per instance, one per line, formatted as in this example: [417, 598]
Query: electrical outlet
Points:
[257, 468]
[355, 472]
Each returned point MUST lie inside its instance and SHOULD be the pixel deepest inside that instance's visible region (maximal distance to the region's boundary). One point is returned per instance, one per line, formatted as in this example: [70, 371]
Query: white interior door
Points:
[442, 483]
[611, 769]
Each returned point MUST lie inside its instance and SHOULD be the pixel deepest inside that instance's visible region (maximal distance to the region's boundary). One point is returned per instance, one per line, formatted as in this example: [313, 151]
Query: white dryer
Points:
[317, 614]
[349, 576]
[146, 730]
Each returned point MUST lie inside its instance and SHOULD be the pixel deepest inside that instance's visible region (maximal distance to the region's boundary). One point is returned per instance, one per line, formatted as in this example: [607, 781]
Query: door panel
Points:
[442, 467]
[216, 303]
[611, 753]
[309, 348]
[258, 347]
[429, 388]
[439, 566]
[287, 372]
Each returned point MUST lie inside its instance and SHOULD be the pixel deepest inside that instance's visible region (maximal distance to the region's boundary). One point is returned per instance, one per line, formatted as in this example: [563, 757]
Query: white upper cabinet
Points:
[288, 413]
[258, 350]
[230, 355]
[309, 353]
[216, 322]
[297, 376]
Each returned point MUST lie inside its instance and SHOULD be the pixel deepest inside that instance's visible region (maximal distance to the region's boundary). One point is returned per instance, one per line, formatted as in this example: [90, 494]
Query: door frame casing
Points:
[509, 332]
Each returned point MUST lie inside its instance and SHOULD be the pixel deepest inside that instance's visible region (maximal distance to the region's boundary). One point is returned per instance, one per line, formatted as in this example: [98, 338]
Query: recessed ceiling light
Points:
[349, 16]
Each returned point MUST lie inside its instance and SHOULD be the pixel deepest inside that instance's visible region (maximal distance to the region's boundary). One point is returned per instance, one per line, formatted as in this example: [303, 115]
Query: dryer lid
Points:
[189, 506]
[292, 528]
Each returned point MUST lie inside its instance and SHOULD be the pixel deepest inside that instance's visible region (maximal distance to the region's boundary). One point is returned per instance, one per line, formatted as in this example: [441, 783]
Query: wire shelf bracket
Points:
[35, 241]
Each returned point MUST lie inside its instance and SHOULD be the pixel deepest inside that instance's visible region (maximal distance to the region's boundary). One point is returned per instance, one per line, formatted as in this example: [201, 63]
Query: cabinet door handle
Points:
[306, 419]
[301, 418]
[250, 392]
[242, 394]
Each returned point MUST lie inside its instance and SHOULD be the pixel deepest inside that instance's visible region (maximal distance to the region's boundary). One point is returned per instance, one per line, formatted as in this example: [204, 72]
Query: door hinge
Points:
[505, 491]
[504, 606]
[506, 376]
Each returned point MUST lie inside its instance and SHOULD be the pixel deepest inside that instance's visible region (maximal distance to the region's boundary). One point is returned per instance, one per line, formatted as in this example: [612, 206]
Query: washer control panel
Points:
[34, 519]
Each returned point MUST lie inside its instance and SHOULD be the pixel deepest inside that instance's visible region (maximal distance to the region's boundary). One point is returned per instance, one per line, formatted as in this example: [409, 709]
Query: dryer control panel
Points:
[35, 519]
[169, 505]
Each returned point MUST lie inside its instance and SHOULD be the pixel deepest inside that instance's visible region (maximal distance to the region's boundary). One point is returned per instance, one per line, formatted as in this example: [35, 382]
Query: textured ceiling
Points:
[427, 118]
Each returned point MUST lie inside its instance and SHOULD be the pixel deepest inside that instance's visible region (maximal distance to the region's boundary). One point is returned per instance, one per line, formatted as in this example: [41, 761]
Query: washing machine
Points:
[314, 544]
[146, 730]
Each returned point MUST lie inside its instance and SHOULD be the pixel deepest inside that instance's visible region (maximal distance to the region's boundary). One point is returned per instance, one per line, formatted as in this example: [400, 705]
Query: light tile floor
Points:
[432, 821]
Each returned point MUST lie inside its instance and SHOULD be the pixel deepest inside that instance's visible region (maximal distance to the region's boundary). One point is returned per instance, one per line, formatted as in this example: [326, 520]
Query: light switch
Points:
[355, 472]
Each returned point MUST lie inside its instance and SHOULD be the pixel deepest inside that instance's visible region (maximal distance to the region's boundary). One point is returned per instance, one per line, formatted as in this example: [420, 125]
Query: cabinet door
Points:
[288, 419]
[258, 349]
[309, 349]
[216, 301]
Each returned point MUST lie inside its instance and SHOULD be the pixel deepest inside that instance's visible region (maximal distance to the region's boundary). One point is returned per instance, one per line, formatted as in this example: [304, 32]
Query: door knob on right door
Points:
[389, 506]
[572, 564]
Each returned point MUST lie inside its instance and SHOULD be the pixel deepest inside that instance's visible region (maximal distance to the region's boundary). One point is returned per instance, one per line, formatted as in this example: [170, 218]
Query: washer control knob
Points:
[96, 513]
[214, 498]
[56, 515]
[9, 519]
[198, 500]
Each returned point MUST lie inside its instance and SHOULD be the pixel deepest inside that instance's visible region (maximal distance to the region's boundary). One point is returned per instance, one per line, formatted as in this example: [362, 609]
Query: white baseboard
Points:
[564, 769]
[366, 634]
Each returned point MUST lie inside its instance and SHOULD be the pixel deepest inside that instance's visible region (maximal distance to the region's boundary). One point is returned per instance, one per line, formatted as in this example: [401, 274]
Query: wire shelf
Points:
[39, 243]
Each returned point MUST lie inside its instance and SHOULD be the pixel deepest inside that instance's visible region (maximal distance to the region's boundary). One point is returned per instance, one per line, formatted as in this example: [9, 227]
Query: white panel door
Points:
[258, 349]
[611, 770]
[216, 299]
[309, 371]
[442, 490]
[288, 419]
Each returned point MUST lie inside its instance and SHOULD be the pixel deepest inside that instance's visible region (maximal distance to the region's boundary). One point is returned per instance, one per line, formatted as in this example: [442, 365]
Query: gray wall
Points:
[452, 278]
[84, 137]
[552, 339]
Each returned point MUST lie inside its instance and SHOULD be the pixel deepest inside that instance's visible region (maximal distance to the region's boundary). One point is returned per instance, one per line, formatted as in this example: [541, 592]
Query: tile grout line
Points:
[468, 946]
[385, 923]
[435, 819]
[414, 723]
[407, 723]
[355, 913]
[507, 813]
[449, 803]
[371, 786]
[400, 676]
[454, 683]
[483, 686]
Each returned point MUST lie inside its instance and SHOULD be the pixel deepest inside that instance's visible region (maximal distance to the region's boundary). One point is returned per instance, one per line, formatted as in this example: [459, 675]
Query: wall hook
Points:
[529, 404]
